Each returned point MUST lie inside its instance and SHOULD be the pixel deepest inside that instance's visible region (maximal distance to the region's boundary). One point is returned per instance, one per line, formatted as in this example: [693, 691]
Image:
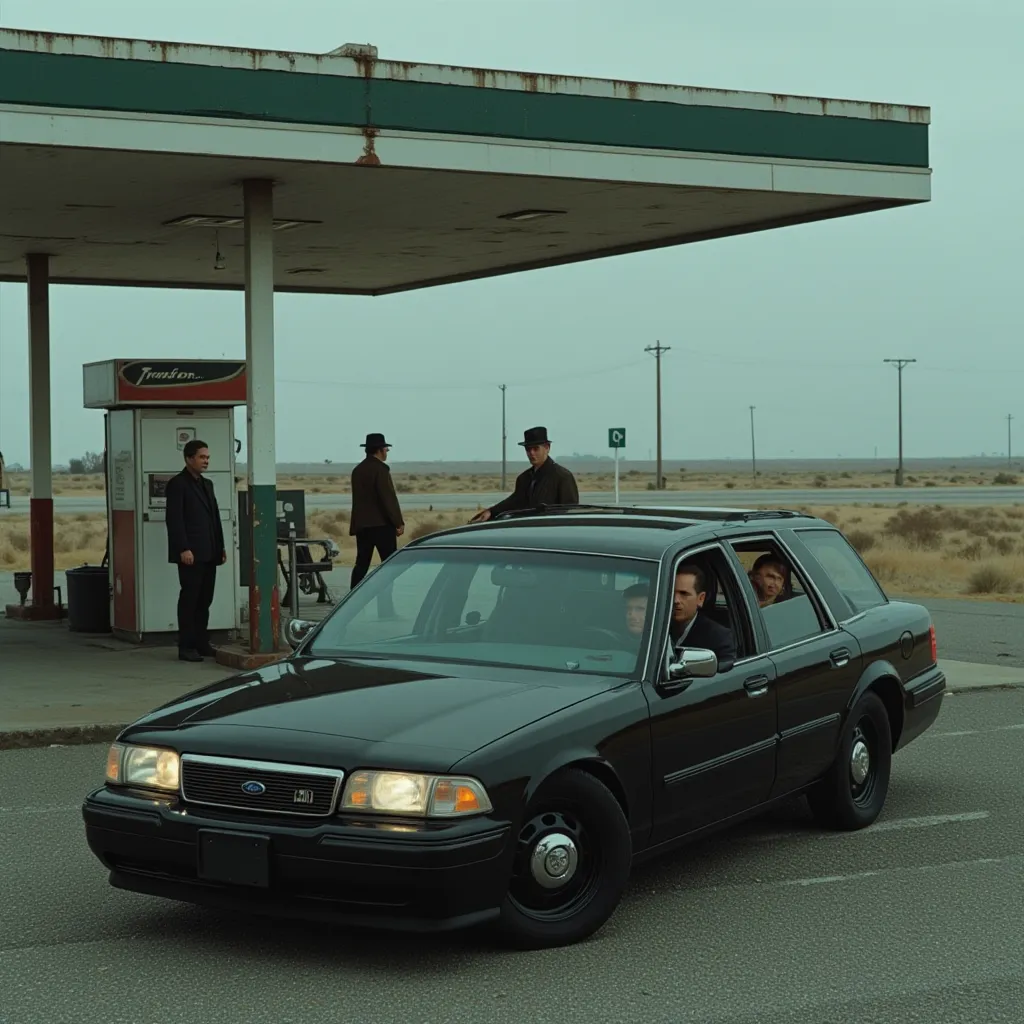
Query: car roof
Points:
[631, 530]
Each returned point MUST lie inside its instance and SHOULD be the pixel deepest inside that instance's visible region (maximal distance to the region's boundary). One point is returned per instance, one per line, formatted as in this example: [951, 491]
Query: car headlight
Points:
[425, 796]
[149, 767]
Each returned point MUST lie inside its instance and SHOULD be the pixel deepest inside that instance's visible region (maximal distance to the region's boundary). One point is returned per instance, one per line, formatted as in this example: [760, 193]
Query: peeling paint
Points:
[365, 65]
[255, 603]
[369, 157]
[275, 620]
[371, 67]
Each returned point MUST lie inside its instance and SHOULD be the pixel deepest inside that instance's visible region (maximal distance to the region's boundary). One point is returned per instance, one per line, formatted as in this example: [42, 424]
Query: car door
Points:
[712, 740]
[817, 664]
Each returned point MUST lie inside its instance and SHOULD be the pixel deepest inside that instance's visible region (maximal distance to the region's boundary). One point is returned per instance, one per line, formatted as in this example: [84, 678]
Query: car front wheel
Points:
[571, 864]
[852, 793]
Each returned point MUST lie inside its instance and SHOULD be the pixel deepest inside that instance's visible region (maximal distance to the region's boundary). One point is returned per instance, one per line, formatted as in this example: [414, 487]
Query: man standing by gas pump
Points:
[195, 543]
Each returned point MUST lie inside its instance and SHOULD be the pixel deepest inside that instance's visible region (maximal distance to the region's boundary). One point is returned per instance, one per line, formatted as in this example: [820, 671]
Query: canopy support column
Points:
[261, 459]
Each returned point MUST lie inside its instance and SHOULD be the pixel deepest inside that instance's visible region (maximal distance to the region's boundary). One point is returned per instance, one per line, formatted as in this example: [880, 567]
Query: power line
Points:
[899, 364]
[553, 377]
[658, 349]
[504, 436]
[753, 445]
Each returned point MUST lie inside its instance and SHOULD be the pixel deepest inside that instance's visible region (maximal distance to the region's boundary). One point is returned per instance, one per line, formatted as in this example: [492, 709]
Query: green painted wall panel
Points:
[62, 80]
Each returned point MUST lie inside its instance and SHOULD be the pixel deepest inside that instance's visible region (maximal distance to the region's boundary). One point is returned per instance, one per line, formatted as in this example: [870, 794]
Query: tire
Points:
[574, 805]
[843, 799]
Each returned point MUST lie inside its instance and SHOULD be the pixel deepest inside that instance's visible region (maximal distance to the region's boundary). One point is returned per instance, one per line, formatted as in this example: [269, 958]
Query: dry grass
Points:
[81, 539]
[926, 551]
[83, 485]
[935, 551]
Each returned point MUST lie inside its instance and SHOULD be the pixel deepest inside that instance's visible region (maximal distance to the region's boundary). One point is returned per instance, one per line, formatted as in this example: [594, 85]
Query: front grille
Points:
[286, 788]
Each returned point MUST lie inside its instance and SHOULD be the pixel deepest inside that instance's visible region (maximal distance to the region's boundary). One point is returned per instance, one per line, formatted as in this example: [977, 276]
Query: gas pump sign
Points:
[185, 434]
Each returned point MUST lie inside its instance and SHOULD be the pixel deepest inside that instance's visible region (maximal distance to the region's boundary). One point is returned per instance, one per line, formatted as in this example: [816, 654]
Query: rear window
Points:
[849, 575]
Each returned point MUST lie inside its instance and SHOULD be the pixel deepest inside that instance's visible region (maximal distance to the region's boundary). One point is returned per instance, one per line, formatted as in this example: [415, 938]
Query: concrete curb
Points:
[983, 688]
[67, 735]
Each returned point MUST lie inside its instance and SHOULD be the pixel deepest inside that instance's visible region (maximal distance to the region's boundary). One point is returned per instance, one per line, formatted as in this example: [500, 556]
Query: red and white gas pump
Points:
[154, 408]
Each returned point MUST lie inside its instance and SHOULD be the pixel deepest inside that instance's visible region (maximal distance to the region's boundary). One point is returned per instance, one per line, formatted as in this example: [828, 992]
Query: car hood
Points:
[315, 709]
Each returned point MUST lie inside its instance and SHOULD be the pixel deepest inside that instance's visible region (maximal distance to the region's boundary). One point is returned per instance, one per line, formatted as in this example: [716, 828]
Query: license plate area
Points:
[234, 858]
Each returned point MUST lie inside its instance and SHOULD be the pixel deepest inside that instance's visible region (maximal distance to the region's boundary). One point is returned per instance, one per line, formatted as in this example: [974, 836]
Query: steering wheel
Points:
[611, 634]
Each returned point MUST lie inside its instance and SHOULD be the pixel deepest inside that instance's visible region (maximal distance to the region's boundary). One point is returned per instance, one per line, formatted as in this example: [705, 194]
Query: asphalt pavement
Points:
[916, 919]
[72, 505]
[989, 632]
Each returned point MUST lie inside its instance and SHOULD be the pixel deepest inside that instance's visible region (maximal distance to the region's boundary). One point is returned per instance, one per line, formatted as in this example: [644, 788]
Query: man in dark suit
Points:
[544, 483]
[195, 543]
[692, 629]
[377, 521]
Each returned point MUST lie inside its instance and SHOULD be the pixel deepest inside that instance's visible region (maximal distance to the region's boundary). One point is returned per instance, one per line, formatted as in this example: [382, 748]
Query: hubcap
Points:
[553, 860]
[860, 762]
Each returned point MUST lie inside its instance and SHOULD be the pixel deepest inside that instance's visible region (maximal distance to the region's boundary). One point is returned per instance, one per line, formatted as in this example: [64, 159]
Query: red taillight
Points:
[935, 645]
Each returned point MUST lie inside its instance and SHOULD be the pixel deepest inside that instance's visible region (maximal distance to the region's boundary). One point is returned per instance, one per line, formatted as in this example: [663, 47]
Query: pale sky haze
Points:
[796, 322]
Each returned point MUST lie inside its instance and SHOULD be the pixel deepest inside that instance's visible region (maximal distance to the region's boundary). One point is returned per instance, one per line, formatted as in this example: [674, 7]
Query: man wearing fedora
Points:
[377, 521]
[544, 483]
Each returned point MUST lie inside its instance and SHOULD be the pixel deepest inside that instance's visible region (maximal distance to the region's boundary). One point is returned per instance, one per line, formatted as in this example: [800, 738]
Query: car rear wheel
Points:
[571, 865]
[852, 793]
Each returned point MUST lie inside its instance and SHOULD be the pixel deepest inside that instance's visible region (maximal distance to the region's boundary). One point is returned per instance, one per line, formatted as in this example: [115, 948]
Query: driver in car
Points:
[635, 598]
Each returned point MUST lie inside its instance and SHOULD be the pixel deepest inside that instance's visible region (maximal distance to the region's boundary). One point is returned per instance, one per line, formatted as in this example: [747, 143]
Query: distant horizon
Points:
[515, 463]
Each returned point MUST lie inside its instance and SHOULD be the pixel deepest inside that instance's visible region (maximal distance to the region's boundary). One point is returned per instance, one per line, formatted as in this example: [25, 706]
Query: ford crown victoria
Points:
[497, 723]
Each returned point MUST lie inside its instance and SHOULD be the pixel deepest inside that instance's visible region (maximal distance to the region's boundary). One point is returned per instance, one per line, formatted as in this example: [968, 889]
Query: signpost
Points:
[617, 440]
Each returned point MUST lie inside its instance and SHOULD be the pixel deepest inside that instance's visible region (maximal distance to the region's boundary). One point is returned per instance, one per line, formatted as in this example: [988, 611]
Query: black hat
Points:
[374, 442]
[535, 435]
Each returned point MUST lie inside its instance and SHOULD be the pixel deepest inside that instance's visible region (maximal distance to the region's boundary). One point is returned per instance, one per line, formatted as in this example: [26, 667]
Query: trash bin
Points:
[89, 599]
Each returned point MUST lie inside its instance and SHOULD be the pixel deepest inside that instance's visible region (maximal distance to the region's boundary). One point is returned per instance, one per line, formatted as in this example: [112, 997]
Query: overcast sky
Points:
[796, 322]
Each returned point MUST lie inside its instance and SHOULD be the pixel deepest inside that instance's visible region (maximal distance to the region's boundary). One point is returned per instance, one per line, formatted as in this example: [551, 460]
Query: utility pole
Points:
[1009, 439]
[504, 436]
[899, 364]
[753, 445]
[658, 349]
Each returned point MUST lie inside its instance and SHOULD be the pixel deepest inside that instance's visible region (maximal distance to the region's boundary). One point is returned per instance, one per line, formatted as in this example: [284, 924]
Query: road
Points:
[915, 919]
[72, 505]
[989, 632]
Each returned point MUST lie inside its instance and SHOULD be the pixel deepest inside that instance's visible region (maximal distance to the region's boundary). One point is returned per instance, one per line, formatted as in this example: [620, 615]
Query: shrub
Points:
[1005, 479]
[821, 480]
[972, 552]
[990, 579]
[862, 540]
[1002, 545]
[921, 529]
[425, 528]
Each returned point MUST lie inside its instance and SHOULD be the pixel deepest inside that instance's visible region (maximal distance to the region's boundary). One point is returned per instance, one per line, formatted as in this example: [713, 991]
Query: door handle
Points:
[840, 658]
[756, 686]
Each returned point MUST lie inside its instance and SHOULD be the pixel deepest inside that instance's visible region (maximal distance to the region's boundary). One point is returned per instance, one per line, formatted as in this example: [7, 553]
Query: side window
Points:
[396, 608]
[718, 598]
[850, 576]
[789, 611]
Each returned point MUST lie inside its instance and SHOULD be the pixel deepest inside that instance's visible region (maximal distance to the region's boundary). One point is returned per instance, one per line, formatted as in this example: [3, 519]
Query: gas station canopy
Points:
[123, 160]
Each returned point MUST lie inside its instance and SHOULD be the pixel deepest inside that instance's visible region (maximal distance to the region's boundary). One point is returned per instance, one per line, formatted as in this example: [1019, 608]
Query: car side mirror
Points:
[295, 630]
[693, 663]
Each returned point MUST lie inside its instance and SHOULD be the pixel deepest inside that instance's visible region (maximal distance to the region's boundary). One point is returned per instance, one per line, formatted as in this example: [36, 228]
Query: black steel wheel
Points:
[853, 791]
[571, 863]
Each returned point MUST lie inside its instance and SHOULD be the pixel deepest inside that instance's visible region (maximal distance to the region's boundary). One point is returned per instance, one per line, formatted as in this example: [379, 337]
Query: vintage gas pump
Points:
[154, 408]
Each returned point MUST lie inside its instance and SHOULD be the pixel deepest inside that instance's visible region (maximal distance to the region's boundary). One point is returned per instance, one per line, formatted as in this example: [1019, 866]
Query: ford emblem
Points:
[253, 788]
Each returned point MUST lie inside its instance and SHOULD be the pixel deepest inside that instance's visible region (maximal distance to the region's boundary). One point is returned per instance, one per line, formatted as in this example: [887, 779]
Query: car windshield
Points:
[541, 610]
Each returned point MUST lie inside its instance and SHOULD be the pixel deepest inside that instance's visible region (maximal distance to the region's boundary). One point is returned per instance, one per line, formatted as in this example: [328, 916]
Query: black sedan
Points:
[500, 720]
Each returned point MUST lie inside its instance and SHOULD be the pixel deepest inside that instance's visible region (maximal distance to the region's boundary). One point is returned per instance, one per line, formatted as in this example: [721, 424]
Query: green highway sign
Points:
[617, 437]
